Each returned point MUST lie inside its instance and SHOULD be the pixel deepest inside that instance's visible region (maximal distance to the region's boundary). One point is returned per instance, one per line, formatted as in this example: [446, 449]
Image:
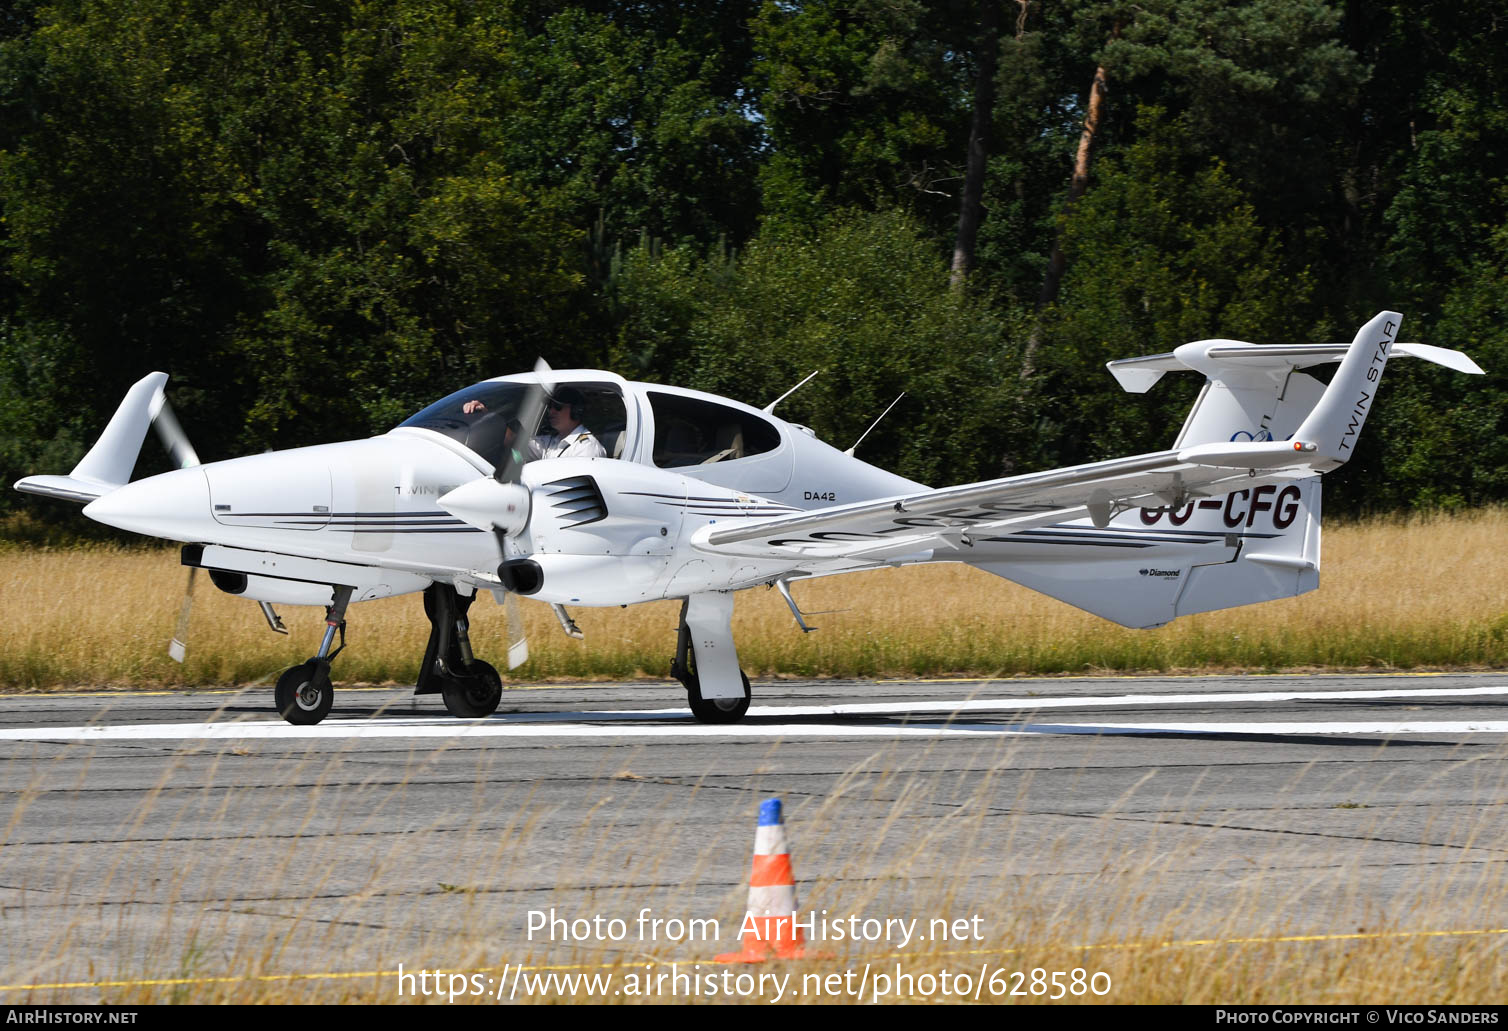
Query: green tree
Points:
[862, 297]
[1255, 84]
[301, 212]
[636, 116]
[1165, 249]
[866, 104]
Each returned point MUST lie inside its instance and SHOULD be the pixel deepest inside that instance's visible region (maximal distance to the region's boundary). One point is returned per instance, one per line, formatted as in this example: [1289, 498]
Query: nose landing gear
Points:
[303, 695]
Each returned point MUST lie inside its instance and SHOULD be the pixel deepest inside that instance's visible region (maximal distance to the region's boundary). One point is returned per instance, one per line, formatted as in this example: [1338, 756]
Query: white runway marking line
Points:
[611, 723]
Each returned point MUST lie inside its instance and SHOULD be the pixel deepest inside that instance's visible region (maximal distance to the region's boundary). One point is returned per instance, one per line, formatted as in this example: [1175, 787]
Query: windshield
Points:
[485, 417]
[477, 417]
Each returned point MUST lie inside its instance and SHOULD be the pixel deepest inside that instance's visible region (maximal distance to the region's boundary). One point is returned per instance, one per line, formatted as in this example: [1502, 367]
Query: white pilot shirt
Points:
[579, 443]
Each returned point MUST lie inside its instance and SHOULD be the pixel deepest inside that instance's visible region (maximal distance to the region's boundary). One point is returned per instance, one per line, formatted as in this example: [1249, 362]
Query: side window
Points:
[690, 431]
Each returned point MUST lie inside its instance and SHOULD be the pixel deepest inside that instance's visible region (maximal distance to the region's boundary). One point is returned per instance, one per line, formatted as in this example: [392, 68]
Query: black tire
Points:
[476, 694]
[303, 695]
[715, 710]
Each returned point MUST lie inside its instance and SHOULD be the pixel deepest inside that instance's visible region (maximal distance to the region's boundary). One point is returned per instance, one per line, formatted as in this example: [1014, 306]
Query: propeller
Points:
[170, 432]
[501, 503]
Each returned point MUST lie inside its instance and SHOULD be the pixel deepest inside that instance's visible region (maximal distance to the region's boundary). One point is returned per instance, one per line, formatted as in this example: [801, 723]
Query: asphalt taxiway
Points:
[184, 834]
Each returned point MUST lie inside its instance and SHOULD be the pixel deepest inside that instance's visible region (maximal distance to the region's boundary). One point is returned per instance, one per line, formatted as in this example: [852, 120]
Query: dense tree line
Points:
[318, 217]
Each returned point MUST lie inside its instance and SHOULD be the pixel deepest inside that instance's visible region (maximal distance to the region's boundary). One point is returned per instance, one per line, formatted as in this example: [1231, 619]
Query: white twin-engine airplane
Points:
[696, 497]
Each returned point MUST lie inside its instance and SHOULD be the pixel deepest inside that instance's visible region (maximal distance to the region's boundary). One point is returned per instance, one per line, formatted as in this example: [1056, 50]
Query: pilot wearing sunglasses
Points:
[566, 437]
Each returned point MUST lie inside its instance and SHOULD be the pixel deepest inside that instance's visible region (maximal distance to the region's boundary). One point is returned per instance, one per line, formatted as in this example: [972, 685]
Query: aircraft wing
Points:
[954, 516]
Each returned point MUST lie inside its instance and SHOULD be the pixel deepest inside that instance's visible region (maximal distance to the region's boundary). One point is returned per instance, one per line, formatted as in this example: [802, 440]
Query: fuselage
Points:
[285, 526]
[681, 459]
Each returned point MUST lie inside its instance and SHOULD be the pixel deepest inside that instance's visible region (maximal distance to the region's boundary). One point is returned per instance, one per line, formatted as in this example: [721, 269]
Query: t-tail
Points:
[1198, 553]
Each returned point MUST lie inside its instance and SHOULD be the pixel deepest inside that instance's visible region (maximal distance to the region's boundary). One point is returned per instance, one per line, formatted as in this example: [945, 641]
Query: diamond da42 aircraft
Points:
[698, 497]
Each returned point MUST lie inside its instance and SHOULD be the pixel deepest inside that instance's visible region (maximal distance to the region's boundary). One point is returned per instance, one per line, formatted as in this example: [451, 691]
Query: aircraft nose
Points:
[173, 505]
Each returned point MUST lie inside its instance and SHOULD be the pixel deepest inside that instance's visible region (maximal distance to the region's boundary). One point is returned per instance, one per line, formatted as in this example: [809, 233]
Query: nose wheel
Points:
[303, 694]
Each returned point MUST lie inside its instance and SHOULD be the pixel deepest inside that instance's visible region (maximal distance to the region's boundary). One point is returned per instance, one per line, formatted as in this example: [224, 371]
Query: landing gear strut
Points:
[303, 694]
[714, 629]
[469, 686]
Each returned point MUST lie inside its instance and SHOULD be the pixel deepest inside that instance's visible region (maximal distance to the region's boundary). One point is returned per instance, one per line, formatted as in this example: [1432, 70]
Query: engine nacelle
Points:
[605, 532]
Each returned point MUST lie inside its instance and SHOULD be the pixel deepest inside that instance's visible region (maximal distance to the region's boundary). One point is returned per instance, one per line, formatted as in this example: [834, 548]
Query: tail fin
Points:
[1259, 543]
[109, 463]
[1255, 392]
[1335, 423]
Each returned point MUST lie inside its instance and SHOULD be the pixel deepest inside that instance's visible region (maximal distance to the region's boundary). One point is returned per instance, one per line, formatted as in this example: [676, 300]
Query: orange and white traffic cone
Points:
[769, 927]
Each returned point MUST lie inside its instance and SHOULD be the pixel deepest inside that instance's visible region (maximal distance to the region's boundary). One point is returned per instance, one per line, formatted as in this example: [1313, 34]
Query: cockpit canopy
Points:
[479, 416]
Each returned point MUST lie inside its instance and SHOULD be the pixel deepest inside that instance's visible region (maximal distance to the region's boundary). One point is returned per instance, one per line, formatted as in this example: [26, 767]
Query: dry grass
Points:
[1156, 907]
[1416, 592]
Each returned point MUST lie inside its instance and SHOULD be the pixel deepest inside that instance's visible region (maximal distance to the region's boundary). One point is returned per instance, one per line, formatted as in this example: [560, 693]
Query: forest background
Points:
[318, 217]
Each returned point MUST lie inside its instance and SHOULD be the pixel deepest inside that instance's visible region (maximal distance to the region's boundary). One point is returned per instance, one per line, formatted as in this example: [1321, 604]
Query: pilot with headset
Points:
[566, 437]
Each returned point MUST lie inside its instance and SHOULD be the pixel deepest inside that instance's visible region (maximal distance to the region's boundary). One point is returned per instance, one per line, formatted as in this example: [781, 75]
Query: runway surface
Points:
[193, 835]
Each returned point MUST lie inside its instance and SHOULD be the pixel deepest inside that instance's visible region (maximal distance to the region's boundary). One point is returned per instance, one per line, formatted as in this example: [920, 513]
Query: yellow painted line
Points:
[344, 975]
[1287, 939]
[339, 975]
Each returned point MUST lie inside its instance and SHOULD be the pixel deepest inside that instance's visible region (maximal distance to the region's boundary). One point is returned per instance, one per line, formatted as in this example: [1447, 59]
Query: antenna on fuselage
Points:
[872, 425]
[769, 409]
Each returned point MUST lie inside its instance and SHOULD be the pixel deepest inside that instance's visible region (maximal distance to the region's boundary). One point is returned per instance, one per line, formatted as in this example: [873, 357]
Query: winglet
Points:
[1335, 424]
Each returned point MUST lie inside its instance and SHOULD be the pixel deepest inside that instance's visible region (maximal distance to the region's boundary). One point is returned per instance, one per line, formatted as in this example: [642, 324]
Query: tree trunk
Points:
[971, 209]
[1076, 187]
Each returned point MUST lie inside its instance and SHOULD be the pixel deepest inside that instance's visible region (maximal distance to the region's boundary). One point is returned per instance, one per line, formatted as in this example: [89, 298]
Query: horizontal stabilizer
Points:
[1139, 375]
[1234, 449]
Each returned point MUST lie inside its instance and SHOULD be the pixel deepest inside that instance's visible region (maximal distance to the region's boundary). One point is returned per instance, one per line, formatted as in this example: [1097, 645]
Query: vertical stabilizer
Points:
[1336, 421]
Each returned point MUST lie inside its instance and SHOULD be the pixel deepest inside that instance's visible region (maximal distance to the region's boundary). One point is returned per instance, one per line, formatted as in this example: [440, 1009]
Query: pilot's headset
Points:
[572, 399]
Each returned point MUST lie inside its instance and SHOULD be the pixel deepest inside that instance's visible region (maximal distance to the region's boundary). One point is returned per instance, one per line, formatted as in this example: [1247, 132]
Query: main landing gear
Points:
[469, 686]
[706, 663]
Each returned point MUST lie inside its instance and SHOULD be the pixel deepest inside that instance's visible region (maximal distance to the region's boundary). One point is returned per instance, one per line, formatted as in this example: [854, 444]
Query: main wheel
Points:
[303, 694]
[476, 693]
[715, 710]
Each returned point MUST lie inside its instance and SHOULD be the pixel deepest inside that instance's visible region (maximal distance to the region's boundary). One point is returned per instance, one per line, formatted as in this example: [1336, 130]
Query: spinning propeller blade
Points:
[178, 646]
[170, 431]
[503, 503]
[531, 411]
[518, 644]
